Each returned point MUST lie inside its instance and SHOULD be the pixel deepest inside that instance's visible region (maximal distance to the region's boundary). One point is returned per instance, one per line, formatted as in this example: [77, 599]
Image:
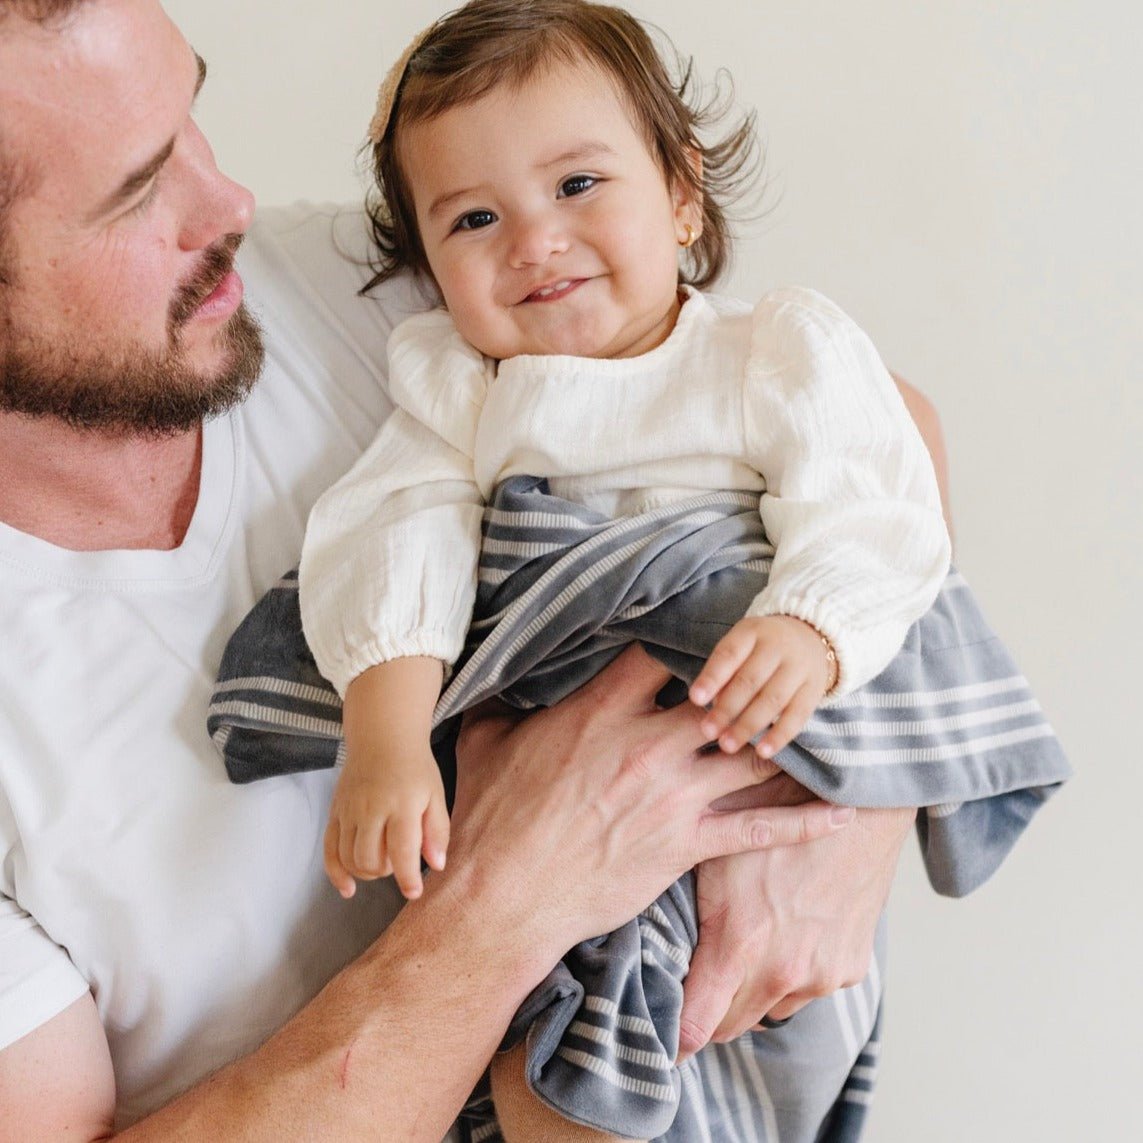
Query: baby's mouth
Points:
[555, 290]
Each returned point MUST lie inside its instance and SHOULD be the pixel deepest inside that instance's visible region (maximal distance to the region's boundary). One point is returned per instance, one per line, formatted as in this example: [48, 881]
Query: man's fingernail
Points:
[842, 815]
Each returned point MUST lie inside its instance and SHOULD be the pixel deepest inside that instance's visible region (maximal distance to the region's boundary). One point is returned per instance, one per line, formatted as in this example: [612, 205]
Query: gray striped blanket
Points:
[949, 726]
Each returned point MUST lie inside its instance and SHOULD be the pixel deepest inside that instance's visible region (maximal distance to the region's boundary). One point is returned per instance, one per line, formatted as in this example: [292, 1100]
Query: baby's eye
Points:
[475, 220]
[577, 184]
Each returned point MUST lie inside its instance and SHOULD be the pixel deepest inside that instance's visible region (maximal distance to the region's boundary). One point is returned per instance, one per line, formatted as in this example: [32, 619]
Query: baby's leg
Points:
[523, 1117]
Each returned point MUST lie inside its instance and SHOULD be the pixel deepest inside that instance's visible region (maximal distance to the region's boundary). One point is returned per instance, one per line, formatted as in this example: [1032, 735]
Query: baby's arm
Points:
[388, 808]
[851, 504]
[853, 509]
[388, 567]
[387, 581]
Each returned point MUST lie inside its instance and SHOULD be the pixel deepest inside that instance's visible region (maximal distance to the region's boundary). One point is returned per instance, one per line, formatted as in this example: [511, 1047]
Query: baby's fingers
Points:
[730, 652]
[335, 868]
[403, 844]
[761, 710]
[436, 829]
[790, 723]
[738, 695]
[368, 857]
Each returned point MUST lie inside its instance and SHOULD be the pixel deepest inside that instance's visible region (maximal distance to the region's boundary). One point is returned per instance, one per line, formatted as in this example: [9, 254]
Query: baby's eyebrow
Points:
[591, 149]
[442, 203]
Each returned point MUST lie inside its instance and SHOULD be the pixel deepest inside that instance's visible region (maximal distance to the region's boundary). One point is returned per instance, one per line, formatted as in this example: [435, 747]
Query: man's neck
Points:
[93, 492]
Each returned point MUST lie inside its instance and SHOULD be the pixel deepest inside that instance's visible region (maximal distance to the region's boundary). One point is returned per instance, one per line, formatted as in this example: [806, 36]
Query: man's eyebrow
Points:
[141, 176]
[577, 154]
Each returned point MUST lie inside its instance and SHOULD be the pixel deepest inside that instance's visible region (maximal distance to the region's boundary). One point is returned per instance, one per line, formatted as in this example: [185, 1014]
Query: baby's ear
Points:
[688, 200]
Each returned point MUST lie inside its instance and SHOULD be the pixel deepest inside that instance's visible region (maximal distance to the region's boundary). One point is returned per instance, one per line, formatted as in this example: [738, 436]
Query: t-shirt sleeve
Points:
[37, 979]
[309, 263]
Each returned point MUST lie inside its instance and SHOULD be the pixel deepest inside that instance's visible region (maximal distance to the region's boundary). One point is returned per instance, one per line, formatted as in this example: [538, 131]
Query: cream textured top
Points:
[787, 398]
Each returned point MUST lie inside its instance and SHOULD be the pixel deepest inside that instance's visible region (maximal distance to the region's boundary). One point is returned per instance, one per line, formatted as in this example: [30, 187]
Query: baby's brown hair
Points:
[474, 49]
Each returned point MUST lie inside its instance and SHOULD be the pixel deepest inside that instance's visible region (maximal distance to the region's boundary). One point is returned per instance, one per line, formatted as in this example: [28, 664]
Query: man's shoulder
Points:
[318, 256]
[304, 266]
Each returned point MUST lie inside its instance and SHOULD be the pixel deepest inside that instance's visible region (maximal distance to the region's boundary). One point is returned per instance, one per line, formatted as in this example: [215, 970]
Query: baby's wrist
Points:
[832, 663]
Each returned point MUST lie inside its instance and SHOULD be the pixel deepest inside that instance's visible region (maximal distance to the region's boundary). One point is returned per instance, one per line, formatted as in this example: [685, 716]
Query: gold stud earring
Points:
[691, 238]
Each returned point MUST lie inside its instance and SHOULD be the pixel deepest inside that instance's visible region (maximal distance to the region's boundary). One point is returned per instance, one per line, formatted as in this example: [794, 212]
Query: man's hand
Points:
[596, 805]
[778, 929]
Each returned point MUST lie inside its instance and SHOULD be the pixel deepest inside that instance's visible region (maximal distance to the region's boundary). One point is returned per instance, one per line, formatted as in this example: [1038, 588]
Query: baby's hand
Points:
[386, 812]
[766, 671]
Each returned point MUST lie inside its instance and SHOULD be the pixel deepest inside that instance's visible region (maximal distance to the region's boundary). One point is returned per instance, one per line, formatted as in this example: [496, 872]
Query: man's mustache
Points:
[217, 262]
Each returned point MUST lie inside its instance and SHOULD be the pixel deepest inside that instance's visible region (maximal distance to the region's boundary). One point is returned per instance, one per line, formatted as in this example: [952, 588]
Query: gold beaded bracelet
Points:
[832, 667]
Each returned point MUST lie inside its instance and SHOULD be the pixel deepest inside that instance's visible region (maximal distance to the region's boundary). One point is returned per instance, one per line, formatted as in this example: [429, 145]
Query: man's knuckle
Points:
[761, 769]
[804, 829]
[642, 760]
[787, 976]
[723, 974]
[760, 833]
[694, 1034]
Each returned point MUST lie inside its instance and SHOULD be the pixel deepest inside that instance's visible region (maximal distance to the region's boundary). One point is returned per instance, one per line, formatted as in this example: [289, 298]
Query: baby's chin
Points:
[556, 344]
[572, 334]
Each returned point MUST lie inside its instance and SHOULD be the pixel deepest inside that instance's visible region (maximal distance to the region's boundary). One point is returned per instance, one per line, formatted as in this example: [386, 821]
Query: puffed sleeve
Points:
[389, 560]
[851, 501]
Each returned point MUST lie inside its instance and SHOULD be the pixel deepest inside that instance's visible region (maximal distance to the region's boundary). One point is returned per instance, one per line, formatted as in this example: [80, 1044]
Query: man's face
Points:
[123, 312]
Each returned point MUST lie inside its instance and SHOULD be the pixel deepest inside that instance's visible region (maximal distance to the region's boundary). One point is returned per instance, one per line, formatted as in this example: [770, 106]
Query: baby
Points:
[536, 163]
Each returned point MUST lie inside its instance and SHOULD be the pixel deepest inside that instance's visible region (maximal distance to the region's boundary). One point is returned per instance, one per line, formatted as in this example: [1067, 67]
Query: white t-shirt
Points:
[195, 911]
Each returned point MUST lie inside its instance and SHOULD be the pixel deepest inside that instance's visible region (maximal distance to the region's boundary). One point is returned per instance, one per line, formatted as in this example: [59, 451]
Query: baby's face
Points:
[548, 225]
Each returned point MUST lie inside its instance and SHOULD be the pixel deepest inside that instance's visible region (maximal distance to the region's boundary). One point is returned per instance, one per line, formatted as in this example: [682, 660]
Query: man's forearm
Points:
[565, 825]
[390, 1048]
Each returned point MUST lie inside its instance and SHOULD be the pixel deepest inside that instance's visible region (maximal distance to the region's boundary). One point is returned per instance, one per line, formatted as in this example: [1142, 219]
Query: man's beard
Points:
[135, 390]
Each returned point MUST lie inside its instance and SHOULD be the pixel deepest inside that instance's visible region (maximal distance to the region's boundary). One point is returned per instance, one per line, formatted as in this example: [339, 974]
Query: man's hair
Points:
[487, 43]
[14, 176]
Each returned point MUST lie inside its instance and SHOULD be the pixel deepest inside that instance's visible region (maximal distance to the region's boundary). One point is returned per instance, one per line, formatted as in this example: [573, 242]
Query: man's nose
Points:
[216, 205]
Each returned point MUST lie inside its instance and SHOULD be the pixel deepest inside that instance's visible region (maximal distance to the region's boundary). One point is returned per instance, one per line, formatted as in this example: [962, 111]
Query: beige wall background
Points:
[963, 177]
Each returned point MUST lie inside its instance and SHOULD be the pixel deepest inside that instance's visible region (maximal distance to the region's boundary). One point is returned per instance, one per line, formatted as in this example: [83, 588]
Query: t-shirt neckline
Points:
[194, 560]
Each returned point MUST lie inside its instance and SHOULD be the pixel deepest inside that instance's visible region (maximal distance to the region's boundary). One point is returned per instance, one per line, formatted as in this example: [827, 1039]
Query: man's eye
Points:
[141, 206]
[475, 220]
[577, 184]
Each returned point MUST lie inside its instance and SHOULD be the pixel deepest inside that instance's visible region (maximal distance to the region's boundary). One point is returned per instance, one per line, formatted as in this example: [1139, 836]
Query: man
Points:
[157, 923]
